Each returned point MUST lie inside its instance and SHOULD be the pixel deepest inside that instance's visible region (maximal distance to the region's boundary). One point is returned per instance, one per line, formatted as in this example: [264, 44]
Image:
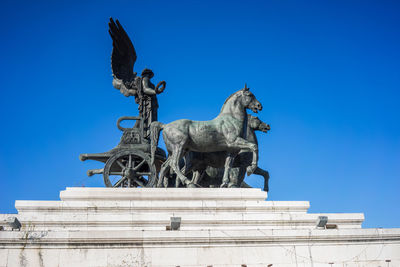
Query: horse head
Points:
[240, 101]
[257, 125]
[249, 100]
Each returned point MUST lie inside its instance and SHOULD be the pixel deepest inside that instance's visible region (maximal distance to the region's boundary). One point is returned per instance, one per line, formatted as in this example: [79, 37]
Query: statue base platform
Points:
[102, 227]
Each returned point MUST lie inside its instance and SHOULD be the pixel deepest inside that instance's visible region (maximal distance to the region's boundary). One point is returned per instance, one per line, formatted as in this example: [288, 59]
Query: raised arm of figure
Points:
[147, 87]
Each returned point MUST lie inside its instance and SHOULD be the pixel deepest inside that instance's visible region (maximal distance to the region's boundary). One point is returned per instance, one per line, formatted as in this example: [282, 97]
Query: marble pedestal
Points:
[101, 227]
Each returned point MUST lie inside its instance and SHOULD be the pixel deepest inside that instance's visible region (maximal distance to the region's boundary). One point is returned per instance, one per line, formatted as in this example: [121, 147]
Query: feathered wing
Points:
[123, 55]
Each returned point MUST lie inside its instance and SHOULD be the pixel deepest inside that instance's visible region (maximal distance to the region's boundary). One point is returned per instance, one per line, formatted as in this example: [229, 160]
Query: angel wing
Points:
[123, 56]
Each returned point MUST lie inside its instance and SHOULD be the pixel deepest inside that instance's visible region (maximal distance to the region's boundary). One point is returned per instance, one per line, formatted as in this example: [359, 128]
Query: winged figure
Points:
[123, 58]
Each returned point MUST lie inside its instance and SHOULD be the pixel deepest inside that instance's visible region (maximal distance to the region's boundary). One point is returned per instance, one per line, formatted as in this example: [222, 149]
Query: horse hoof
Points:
[250, 170]
[233, 186]
[224, 185]
[191, 185]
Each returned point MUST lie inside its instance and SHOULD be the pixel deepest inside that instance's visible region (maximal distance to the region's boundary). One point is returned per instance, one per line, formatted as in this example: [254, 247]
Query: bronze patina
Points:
[220, 150]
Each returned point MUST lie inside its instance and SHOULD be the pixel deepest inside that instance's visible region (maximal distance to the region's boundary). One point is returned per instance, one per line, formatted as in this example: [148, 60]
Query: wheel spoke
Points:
[120, 164]
[143, 173]
[117, 173]
[119, 182]
[130, 161]
[139, 183]
[112, 182]
[139, 165]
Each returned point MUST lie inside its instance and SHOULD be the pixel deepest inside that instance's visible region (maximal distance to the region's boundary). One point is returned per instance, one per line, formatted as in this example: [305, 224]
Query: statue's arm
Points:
[146, 87]
[160, 87]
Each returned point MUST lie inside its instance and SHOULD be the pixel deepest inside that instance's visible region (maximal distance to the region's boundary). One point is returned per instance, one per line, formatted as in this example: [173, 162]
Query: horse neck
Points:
[233, 108]
[251, 135]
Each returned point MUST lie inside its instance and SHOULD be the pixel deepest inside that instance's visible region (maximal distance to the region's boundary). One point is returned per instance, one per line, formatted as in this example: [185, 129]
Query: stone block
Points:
[99, 227]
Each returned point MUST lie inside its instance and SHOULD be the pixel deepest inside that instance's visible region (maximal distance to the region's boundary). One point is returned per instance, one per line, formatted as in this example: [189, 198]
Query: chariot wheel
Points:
[129, 168]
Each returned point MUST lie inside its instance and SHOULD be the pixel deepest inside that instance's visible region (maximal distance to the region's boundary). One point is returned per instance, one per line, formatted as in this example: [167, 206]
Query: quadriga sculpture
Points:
[224, 133]
[198, 162]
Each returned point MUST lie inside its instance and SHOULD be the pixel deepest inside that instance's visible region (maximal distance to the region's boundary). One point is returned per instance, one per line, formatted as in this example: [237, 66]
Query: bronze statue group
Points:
[215, 153]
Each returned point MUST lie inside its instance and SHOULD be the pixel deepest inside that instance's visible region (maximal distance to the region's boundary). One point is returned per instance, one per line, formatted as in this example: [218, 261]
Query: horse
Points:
[199, 163]
[224, 133]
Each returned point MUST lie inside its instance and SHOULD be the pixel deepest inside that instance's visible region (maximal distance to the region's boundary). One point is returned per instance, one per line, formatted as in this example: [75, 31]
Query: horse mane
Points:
[226, 100]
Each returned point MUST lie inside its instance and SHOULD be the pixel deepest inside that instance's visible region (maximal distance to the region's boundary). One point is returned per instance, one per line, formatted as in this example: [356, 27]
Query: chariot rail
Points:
[129, 163]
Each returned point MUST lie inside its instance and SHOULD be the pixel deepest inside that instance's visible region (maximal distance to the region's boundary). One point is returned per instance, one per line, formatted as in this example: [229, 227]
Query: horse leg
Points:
[177, 181]
[237, 177]
[233, 177]
[168, 177]
[194, 176]
[242, 144]
[164, 168]
[228, 166]
[176, 156]
[244, 185]
[197, 176]
[186, 169]
[200, 177]
[264, 173]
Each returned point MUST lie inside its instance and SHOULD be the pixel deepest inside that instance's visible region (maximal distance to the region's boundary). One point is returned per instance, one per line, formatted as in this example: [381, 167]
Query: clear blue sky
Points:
[327, 73]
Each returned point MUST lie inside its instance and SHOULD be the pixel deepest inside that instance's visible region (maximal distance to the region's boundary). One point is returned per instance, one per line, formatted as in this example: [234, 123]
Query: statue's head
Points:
[258, 125]
[243, 99]
[249, 100]
[147, 73]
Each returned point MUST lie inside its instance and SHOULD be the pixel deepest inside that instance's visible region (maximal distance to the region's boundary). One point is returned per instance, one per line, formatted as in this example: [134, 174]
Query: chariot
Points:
[129, 163]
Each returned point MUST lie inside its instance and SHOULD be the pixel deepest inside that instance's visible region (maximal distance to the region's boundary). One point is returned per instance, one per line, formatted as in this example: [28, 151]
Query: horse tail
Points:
[155, 129]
